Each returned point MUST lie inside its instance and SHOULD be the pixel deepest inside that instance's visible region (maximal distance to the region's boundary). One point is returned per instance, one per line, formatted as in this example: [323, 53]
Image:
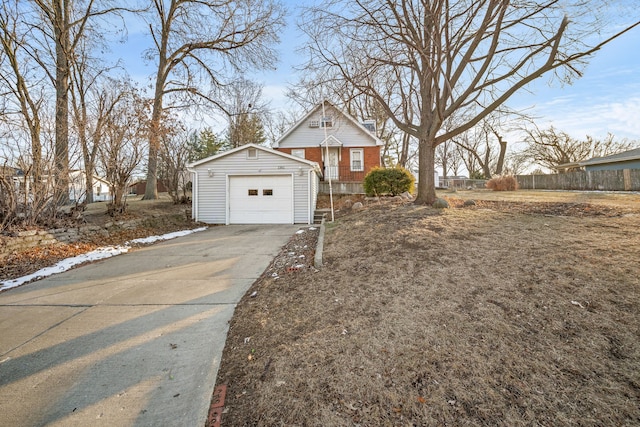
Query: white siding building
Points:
[252, 184]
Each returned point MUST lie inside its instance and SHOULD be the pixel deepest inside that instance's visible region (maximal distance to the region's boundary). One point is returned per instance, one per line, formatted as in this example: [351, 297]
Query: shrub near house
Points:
[393, 181]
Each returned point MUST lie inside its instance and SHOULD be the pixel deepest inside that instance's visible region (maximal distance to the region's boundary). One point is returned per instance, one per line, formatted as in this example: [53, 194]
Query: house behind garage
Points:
[252, 184]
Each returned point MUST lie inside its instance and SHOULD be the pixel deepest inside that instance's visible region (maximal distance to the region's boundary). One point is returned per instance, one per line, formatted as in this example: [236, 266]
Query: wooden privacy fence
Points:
[605, 180]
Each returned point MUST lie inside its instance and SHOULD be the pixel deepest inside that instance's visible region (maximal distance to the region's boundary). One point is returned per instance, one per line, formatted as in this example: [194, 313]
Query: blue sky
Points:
[606, 99]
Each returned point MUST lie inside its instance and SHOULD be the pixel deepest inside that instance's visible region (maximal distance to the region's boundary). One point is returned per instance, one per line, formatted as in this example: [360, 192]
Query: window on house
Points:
[253, 192]
[267, 192]
[298, 152]
[357, 163]
[327, 122]
[252, 153]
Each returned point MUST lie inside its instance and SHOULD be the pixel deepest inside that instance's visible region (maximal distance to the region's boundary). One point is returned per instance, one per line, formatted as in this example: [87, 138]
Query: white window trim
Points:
[300, 151]
[351, 160]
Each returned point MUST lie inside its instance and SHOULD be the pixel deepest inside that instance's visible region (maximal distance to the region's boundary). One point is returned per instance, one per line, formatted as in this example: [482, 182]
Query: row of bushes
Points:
[393, 181]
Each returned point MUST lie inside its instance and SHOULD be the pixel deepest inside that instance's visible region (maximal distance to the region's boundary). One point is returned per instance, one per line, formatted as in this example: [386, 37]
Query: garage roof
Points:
[314, 165]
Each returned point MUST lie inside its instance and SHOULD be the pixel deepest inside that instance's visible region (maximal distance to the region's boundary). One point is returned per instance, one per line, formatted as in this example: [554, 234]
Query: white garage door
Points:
[261, 199]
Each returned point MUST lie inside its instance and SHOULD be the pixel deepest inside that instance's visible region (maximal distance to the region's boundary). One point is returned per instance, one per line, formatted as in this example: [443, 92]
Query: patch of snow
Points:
[300, 231]
[95, 255]
[168, 236]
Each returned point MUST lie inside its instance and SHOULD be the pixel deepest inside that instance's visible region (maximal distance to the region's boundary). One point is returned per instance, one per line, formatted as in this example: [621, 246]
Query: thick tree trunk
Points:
[426, 166]
[151, 190]
[89, 185]
[61, 155]
[486, 171]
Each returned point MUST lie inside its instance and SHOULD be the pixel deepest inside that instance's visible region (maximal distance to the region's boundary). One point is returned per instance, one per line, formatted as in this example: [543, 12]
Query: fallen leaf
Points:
[421, 399]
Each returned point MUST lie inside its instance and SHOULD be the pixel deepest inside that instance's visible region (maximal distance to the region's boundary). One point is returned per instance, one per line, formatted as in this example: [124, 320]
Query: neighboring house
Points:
[9, 172]
[345, 148]
[625, 160]
[140, 187]
[78, 187]
[14, 176]
[252, 184]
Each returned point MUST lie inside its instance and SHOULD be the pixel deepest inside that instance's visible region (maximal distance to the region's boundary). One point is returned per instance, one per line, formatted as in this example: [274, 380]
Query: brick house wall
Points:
[371, 158]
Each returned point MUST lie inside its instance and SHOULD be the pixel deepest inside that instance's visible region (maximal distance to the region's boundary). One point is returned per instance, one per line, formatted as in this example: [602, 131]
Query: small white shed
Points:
[252, 184]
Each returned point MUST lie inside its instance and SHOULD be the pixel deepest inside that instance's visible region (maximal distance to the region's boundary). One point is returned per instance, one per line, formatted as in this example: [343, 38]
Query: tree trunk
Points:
[444, 164]
[426, 166]
[404, 156]
[503, 151]
[151, 190]
[486, 171]
[61, 31]
[88, 174]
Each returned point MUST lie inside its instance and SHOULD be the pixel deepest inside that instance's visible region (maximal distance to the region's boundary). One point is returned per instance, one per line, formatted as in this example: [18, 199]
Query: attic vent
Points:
[314, 123]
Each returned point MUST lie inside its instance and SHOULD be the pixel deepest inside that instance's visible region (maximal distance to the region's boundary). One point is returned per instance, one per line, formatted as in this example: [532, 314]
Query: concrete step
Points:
[319, 215]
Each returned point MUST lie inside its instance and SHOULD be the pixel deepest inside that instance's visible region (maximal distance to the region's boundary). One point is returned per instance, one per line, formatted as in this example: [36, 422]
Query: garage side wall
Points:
[211, 206]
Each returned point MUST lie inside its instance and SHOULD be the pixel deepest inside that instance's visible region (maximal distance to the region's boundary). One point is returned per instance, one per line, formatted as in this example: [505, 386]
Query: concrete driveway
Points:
[134, 340]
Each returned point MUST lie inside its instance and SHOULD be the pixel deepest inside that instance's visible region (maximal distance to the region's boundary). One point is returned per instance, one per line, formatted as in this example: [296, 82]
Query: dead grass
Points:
[499, 314]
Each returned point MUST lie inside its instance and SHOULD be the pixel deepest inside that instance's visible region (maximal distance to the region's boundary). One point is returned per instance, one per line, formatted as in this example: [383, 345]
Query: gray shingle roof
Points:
[614, 158]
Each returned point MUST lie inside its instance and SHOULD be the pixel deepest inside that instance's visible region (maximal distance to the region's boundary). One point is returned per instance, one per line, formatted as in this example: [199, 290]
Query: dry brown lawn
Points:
[498, 314]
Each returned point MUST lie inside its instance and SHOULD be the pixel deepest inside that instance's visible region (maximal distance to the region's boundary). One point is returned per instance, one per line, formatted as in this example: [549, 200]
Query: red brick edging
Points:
[217, 406]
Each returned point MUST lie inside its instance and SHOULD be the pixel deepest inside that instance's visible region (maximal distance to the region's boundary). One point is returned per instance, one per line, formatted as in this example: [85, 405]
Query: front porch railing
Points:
[342, 174]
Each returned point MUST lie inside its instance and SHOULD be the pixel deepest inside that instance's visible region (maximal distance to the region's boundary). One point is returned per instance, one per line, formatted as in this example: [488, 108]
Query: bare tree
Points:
[444, 57]
[63, 24]
[246, 112]
[174, 154]
[279, 123]
[20, 83]
[448, 158]
[121, 150]
[94, 96]
[191, 38]
[486, 144]
[551, 147]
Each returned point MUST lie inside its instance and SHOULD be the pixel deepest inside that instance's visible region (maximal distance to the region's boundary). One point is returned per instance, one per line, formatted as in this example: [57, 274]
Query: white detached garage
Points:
[254, 185]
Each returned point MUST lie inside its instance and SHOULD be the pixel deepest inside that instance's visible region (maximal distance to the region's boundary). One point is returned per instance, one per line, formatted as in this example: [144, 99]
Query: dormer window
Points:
[326, 122]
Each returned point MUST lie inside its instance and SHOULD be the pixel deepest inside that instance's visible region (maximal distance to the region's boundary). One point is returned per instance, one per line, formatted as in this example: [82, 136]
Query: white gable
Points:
[310, 130]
